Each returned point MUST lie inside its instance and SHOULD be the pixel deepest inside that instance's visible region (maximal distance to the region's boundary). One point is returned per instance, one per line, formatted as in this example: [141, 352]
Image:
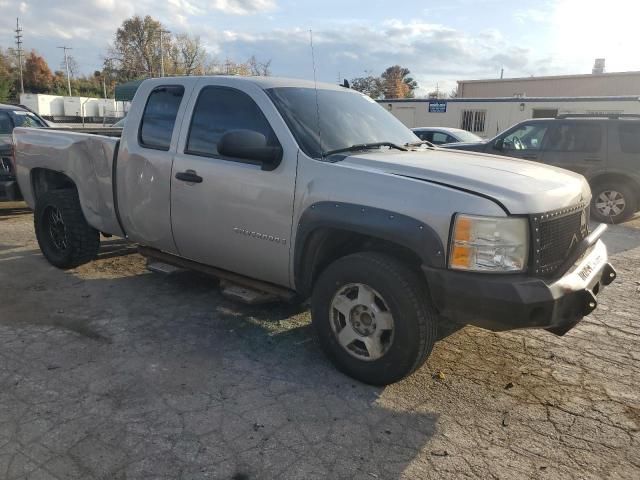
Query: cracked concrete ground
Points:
[110, 372]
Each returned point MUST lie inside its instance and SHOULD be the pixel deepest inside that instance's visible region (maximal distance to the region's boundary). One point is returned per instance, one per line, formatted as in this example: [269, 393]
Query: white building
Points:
[487, 117]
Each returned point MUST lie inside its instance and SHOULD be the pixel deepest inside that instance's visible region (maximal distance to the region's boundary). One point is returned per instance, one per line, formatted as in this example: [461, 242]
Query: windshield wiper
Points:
[421, 142]
[364, 146]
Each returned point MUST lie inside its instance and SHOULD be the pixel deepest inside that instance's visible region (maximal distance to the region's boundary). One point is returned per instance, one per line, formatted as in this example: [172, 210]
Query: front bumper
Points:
[506, 302]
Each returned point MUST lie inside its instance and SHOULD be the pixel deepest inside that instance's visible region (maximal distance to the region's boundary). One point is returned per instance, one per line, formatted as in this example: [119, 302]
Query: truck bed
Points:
[87, 159]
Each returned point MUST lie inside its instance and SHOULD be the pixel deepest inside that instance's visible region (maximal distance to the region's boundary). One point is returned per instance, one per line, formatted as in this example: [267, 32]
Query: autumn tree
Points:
[369, 85]
[397, 83]
[37, 75]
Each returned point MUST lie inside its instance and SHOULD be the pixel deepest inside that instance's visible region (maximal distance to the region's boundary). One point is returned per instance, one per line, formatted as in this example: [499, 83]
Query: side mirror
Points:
[499, 144]
[250, 145]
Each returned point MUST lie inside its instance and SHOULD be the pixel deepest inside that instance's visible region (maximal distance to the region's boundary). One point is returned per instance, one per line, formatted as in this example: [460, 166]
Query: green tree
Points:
[369, 85]
[7, 77]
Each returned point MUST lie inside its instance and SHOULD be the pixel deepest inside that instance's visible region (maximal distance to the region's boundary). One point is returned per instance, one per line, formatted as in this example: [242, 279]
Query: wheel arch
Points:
[44, 180]
[330, 230]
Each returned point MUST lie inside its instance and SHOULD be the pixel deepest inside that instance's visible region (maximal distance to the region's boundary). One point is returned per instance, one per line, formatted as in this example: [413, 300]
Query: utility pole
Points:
[66, 62]
[162, 32]
[19, 48]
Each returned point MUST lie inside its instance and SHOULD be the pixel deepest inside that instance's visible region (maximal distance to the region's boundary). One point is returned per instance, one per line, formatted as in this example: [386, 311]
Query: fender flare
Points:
[386, 225]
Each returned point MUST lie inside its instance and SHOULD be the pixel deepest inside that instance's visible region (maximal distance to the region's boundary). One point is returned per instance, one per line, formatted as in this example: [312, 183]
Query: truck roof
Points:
[263, 82]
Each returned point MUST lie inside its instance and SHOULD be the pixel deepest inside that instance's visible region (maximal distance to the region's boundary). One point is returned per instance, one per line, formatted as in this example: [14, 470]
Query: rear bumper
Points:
[507, 302]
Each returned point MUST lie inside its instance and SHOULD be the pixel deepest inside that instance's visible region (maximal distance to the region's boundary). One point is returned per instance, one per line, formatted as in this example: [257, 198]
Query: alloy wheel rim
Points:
[56, 228]
[362, 322]
[610, 203]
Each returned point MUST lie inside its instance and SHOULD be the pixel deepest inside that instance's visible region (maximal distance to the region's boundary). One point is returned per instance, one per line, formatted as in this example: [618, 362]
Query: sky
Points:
[439, 41]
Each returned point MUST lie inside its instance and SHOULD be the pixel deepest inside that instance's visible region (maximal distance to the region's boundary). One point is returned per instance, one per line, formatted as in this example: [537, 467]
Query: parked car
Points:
[12, 116]
[444, 135]
[318, 193]
[605, 149]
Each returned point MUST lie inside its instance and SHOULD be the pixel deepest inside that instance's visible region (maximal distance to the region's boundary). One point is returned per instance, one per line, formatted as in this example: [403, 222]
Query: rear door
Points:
[624, 147]
[238, 216]
[144, 162]
[579, 146]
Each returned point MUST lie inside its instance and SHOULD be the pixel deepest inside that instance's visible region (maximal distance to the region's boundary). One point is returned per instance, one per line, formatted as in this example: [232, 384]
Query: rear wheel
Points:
[613, 202]
[65, 238]
[373, 317]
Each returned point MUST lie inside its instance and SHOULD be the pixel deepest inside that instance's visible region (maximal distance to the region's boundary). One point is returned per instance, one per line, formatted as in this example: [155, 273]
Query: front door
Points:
[523, 141]
[226, 212]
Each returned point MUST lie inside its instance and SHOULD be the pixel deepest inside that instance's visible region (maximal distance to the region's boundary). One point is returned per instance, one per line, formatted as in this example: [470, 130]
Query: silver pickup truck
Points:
[315, 192]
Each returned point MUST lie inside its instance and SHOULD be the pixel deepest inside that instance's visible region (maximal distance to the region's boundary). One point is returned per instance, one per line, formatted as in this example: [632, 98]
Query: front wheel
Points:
[65, 238]
[373, 318]
[613, 203]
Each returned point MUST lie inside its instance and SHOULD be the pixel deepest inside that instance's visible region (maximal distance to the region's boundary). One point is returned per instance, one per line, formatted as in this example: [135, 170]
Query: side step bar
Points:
[269, 288]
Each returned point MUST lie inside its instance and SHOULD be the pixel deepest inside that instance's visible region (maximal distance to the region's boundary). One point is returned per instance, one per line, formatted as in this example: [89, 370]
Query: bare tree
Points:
[188, 55]
[259, 69]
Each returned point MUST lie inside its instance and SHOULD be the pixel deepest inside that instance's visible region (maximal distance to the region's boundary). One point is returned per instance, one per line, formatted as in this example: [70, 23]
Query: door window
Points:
[219, 110]
[426, 136]
[6, 125]
[440, 138]
[629, 137]
[159, 117]
[574, 137]
[526, 137]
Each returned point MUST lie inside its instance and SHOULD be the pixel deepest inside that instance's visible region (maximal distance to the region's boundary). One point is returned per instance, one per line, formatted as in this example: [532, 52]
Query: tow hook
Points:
[588, 301]
[608, 275]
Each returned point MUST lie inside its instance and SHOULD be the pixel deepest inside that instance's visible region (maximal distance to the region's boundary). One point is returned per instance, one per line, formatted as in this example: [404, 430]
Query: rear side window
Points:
[581, 137]
[218, 110]
[159, 117]
[6, 125]
[440, 138]
[629, 137]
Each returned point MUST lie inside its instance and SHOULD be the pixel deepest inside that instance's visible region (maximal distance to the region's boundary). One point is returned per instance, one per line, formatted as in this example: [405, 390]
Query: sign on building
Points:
[437, 106]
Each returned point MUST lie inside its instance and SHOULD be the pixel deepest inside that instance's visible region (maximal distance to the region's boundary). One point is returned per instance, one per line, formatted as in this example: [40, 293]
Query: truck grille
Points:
[555, 235]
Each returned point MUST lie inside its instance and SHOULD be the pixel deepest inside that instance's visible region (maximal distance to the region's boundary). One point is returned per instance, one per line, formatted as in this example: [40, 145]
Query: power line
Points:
[66, 62]
[19, 49]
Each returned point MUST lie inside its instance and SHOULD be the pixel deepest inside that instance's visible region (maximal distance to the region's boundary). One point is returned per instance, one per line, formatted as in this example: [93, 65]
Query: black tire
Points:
[65, 238]
[625, 191]
[407, 297]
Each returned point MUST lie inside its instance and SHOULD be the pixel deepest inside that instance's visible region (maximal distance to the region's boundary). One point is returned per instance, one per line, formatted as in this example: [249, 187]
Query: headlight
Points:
[489, 244]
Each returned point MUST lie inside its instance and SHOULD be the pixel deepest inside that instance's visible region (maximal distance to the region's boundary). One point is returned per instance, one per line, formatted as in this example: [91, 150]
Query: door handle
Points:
[190, 176]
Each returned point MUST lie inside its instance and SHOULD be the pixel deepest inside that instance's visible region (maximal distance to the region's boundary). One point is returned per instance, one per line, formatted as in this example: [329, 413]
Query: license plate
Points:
[586, 271]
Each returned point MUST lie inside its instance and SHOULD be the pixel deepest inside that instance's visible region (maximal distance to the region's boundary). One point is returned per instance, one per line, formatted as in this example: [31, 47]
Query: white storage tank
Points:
[45, 105]
[107, 107]
[72, 106]
[81, 107]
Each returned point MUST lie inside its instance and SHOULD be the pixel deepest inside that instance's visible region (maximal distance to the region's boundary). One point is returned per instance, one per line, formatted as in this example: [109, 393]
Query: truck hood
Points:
[520, 186]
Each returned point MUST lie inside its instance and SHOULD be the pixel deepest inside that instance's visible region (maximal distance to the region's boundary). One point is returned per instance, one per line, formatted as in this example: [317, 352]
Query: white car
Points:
[443, 135]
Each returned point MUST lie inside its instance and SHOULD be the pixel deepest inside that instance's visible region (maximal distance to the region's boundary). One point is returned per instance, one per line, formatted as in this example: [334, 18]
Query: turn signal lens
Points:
[489, 244]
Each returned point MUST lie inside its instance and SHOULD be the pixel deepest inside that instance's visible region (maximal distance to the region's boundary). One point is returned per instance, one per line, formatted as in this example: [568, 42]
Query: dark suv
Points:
[12, 116]
[605, 149]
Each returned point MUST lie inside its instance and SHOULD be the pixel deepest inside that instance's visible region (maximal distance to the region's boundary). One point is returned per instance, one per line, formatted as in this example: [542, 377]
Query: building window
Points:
[474, 120]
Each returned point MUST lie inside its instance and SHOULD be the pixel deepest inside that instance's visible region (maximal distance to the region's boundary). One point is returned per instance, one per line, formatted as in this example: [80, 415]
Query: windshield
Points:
[26, 119]
[465, 136]
[347, 118]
